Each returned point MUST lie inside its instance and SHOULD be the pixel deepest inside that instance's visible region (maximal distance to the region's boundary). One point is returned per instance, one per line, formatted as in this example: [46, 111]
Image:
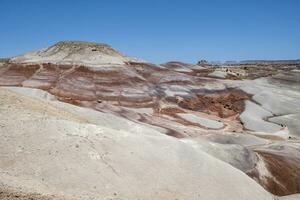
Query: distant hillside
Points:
[270, 61]
[4, 59]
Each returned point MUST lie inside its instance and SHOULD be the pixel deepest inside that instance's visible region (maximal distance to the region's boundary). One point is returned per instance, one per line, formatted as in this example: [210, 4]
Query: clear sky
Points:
[157, 30]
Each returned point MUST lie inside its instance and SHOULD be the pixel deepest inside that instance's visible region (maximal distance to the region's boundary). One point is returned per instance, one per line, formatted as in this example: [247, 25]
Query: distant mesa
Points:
[4, 60]
[270, 61]
[203, 62]
[231, 62]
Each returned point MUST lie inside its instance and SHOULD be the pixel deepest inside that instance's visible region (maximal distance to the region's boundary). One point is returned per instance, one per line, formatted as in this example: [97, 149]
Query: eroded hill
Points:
[89, 122]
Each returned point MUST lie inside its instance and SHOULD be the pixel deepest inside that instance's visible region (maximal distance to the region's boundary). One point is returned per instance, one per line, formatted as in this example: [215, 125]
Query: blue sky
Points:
[157, 31]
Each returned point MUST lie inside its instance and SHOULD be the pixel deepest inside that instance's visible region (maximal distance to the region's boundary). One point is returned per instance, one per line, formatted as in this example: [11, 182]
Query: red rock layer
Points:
[285, 171]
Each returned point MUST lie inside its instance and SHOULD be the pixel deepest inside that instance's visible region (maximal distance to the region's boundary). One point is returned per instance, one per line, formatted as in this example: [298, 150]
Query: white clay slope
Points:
[274, 104]
[52, 151]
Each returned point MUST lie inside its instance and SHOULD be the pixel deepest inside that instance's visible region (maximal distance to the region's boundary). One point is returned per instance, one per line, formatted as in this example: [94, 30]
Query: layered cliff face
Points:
[89, 122]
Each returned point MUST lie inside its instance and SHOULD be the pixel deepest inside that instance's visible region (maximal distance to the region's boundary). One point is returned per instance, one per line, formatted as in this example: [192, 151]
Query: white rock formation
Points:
[50, 150]
[75, 53]
[208, 123]
[276, 104]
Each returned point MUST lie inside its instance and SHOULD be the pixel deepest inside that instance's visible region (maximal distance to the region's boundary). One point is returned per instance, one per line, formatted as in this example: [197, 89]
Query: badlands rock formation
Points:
[82, 121]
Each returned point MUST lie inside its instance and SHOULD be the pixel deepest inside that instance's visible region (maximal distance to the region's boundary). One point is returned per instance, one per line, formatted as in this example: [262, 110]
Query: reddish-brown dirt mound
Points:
[224, 103]
[285, 174]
